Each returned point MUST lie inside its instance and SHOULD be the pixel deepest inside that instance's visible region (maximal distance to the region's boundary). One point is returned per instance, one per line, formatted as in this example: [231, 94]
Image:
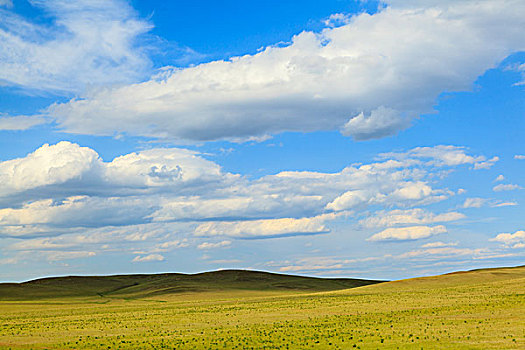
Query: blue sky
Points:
[336, 138]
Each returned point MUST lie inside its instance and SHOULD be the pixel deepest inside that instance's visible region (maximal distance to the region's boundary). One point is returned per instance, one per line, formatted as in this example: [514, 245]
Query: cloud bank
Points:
[68, 189]
[369, 78]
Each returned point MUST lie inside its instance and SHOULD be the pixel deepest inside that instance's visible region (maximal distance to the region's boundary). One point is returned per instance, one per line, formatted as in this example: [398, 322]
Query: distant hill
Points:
[473, 278]
[141, 286]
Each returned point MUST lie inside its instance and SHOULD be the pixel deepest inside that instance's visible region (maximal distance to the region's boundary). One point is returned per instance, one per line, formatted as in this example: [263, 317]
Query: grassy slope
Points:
[142, 286]
[481, 309]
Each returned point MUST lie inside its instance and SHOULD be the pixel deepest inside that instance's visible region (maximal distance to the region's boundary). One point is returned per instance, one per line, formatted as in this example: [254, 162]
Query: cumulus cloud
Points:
[407, 233]
[369, 78]
[48, 165]
[404, 194]
[416, 216]
[499, 178]
[67, 189]
[66, 169]
[506, 187]
[148, 258]
[443, 155]
[349, 199]
[87, 43]
[519, 157]
[64, 197]
[514, 240]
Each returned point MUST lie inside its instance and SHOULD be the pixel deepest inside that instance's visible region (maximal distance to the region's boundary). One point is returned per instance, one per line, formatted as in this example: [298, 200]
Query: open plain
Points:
[481, 309]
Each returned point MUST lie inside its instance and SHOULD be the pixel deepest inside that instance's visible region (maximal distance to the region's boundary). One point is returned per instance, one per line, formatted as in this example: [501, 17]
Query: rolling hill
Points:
[140, 286]
[480, 309]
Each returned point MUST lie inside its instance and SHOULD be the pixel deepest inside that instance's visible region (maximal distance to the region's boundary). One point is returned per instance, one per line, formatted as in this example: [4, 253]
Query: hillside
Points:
[481, 309]
[458, 279]
[140, 286]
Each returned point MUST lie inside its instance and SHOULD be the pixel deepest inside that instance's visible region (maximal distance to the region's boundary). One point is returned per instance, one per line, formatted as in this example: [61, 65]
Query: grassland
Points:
[145, 286]
[483, 309]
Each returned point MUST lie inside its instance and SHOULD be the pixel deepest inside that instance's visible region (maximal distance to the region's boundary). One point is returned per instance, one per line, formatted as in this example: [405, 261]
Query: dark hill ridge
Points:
[140, 286]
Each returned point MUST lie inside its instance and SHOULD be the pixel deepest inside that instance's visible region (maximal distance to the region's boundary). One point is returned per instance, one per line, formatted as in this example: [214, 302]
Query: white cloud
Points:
[76, 212]
[41, 244]
[65, 189]
[521, 69]
[265, 228]
[68, 169]
[350, 200]
[407, 233]
[439, 244]
[487, 164]
[474, 202]
[413, 191]
[6, 3]
[208, 245]
[506, 187]
[225, 261]
[407, 193]
[19, 122]
[317, 263]
[442, 251]
[369, 77]
[88, 43]
[436, 253]
[48, 165]
[64, 255]
[415, 216]
[165, 246]
[499, 178]
[297, 268]
[337, 20]
[176, 244]
[8, 261]
[379, 123]
[514, 240]
[503, 204]
[142, 239]
[148, 258]
[519, 157]
[442, 155]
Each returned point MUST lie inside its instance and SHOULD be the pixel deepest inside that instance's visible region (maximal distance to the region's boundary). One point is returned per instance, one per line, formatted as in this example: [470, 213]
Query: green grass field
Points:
[483, 309]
